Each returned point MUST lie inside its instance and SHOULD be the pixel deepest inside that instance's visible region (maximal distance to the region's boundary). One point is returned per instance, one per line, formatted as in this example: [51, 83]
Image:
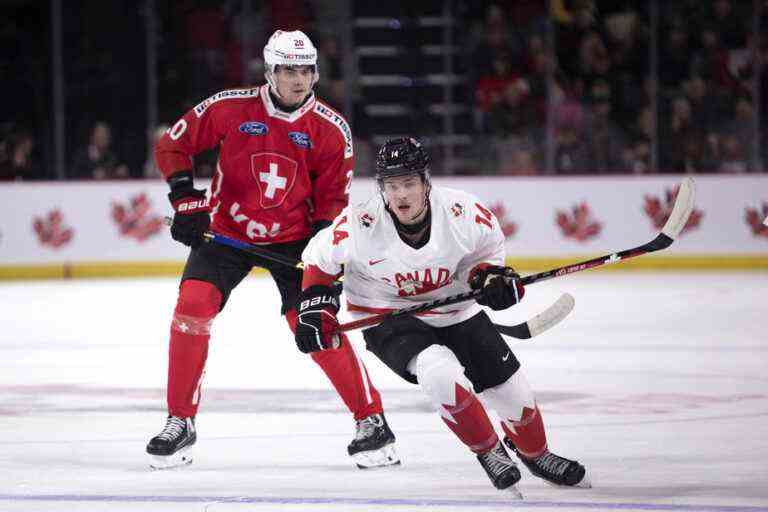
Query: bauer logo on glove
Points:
[318, 300]
[195, 204]
[316, 322]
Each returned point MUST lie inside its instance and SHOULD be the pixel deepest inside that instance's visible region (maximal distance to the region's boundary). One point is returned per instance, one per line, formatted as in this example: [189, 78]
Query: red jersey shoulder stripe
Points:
[230, 94]
[333, 117]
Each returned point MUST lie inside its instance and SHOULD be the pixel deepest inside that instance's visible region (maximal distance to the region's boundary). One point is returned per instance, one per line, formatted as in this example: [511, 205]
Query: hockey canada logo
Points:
[366, 220]
[659, 210]
[758, 220]
[457, 209]
[508, 227]
[135, 219]
[51, 230]
[421, 281]
[578, 223]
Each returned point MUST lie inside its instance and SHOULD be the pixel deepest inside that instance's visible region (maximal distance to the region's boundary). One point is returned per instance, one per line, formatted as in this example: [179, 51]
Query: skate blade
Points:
[178, 460]
[514, 491]
[383, 457]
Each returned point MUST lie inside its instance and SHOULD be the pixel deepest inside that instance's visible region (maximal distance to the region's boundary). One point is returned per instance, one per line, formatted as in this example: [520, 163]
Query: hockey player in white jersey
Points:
[413, 243]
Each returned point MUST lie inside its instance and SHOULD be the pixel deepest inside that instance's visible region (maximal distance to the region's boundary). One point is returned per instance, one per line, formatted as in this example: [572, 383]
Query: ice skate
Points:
[501, 469]
[554, 469]
[171, 447]
[374, 443]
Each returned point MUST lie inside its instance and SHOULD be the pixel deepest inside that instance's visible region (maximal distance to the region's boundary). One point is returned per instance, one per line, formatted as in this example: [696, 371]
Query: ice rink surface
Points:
[657, 382]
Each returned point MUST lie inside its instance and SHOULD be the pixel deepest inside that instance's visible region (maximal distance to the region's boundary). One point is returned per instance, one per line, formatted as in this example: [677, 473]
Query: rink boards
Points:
[83, 229]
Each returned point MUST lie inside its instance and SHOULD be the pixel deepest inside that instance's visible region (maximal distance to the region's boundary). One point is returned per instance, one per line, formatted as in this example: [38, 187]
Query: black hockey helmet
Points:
[400, 157]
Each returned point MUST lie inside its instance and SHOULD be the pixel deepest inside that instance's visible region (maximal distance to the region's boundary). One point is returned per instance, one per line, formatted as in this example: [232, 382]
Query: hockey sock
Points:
[513, 400]
[196, 308]
[348, 375]
[442, 377]
[527, 434]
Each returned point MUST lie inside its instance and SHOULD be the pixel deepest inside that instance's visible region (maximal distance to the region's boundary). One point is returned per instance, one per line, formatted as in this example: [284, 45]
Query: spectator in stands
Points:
[495, 39]
[16, 159]
[637, 157]
[734, 157]
[150, 165]
[674, 55]
[684, 146]
[207, 35]
[572, 154]
[97, 160]
[606, 140]
[737, 139]
[331, 87]
[709, 110]
[727, 24]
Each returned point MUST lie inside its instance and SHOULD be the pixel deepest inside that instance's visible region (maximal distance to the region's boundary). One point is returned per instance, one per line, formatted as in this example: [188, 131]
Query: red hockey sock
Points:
[348, 375]
[527, 434]
[196, 308]
[470, 422]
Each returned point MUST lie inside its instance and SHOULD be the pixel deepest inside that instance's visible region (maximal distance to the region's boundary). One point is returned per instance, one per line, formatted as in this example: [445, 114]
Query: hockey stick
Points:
[533, 327]
[675, 223]
[677, 219]
[254, 249]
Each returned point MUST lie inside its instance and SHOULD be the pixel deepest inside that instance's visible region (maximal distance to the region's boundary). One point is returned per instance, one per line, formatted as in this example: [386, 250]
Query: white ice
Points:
[657, 382]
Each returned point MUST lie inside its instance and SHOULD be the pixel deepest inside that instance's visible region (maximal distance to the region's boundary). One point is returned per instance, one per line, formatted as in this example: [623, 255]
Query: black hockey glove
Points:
[192, 216]
[316, 321]
[501, 286]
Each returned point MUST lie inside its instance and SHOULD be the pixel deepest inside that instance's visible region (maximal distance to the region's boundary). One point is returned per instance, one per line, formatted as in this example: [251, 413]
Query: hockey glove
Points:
[501, 286]
[192, 216]
[316, 322]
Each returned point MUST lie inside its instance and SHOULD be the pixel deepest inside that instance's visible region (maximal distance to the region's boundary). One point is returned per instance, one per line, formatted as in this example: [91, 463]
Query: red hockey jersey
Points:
[277, 173]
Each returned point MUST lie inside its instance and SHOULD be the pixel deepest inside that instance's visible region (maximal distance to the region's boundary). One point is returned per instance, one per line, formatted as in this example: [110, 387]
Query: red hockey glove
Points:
[316, 322]
[192, 216]
[501, 286]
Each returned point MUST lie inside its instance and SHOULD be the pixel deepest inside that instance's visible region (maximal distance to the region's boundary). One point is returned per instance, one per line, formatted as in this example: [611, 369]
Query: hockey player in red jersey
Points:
[415, 243]
[285, 165]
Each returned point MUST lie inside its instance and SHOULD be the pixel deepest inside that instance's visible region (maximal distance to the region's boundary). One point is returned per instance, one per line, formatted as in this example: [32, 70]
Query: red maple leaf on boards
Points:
[578, 223]
[659, 210]
[508, 227]
[135, 220]
[51, 230]
[756, 220]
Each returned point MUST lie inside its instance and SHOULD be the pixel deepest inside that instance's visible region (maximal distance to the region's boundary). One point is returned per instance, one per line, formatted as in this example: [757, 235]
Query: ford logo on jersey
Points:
[254, 128]
[300, 139]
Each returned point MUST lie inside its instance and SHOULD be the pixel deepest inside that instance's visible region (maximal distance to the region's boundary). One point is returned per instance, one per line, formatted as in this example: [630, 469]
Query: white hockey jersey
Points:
[382, 273]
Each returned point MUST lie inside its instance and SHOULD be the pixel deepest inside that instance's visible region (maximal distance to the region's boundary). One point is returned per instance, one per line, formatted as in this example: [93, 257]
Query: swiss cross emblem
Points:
[274, 174]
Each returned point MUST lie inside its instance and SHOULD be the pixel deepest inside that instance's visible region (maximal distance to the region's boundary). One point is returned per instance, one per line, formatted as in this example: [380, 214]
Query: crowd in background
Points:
[584, 64]
[605, 101]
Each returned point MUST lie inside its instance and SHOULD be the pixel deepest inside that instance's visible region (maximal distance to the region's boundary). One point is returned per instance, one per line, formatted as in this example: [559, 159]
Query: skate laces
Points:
[495, 461]
[173, 428]
[552, 463]
[367, 426]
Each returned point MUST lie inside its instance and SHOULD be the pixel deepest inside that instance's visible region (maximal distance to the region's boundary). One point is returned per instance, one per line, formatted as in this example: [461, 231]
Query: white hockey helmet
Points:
[292, 48]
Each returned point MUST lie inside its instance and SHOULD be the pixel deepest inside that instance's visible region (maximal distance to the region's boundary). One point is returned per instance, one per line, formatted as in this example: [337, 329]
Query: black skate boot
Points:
[501, 469]
[170, 448]
[374, 443]
[554, 469]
